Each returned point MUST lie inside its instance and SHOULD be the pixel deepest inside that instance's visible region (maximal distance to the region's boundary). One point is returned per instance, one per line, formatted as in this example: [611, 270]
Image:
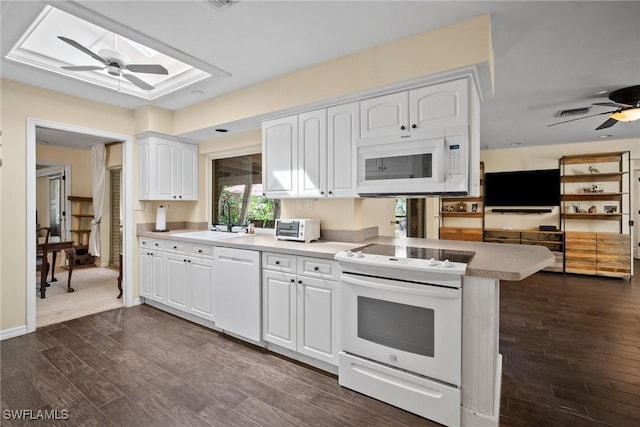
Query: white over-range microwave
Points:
[442, 163]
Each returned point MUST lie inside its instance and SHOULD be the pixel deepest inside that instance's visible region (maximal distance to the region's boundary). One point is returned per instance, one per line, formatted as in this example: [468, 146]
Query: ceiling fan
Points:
[627, 103]
[115, 63]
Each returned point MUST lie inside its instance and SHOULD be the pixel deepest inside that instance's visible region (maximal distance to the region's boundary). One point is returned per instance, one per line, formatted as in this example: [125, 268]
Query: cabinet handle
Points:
[330, 192]
[181, 197]
[316, 268]
[189, 261]
[293, 280]
[277, 262]
[403, 127]
[156, 245]
[199, 251]
[175, 247]
[322, 192]
[300, 282]
[264, 194]
[174, 197]
[413, 126]
[184, 260]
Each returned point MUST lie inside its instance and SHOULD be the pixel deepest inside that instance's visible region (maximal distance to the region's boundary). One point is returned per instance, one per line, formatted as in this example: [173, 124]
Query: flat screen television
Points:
[523, 188]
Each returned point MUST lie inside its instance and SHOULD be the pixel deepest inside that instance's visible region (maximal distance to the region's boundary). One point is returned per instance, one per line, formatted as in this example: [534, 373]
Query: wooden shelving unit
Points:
[598, 242]
[81, 216]
[453, 225]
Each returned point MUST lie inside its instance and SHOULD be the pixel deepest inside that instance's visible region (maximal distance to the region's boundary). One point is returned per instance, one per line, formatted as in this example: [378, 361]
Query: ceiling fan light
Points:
[629, 115]
[113, 70]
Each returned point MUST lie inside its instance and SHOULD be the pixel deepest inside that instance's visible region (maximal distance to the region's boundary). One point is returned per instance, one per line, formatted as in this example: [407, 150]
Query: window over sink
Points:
[237, 183]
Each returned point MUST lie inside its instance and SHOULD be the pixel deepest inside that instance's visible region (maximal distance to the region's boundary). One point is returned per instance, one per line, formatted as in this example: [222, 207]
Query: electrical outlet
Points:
[309, 204]
[167, 205]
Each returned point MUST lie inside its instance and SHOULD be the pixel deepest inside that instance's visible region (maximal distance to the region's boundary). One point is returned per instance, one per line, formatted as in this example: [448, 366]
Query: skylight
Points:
[41, 47]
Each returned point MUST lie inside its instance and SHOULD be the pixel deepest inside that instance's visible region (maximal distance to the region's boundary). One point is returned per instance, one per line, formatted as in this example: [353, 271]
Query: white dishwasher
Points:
[237, 292]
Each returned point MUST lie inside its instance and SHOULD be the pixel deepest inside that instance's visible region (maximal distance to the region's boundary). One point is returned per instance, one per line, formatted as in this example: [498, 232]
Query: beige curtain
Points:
[98, 172]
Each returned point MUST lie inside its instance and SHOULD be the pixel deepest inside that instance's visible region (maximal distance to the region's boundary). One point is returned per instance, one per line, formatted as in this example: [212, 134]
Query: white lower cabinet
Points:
[179, 275]
[300, 311]
[202, 288]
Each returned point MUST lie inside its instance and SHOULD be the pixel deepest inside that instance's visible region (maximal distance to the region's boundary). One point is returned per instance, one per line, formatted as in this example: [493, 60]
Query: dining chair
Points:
[42, 261]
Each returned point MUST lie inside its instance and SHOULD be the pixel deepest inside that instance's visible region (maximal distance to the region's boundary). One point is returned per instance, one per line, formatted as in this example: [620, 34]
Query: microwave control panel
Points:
[455, 162]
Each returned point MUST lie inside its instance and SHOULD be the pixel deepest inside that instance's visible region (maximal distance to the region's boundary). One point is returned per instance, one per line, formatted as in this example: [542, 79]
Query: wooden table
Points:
[54, 248]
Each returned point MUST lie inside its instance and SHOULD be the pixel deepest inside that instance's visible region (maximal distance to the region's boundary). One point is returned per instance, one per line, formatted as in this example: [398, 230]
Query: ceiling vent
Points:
[220, 5]
[573, 112]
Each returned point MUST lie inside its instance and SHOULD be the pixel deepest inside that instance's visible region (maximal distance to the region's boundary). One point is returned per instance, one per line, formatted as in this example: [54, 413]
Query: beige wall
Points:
[454, 46]
[18, 103]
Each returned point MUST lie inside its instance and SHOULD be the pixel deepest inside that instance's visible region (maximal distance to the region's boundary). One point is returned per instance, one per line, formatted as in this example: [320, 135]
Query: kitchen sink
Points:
[209, 235]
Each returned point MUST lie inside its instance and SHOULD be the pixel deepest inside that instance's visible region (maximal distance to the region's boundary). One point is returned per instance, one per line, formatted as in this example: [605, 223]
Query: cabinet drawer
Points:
[202, 250]
[148, 243]
[279, 262]
[316, 267]
[177, 247]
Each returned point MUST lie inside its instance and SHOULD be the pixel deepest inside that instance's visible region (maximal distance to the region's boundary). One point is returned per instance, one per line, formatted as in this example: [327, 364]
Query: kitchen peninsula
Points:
[293, 270]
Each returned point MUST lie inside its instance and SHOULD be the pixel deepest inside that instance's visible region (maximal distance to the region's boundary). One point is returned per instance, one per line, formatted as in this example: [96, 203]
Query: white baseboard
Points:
[13, 332]
[136, 301]
[472, 418]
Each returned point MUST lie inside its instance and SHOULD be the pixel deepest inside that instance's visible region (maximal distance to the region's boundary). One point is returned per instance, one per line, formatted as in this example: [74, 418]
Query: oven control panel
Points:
[440, 266]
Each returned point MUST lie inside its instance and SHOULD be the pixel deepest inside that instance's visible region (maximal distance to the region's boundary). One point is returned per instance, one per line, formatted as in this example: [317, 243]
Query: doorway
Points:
[93, 135]
[410, 217]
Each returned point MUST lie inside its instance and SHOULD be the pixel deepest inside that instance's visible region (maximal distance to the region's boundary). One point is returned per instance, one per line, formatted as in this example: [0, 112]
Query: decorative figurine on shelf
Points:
[597, 188]
[449, 208]
[610, 209]
[576, 208]
[593, 210]
[474, 207]
[461, 207]
[593, 170]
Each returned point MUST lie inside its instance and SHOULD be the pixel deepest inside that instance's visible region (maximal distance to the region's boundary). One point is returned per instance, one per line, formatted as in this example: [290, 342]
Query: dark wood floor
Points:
[571, 349]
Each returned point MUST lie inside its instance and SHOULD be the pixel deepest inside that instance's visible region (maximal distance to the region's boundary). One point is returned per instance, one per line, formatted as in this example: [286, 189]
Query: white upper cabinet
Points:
[384, 116]
[343, 130]
[440, 106]
[312, 154]
[280, 157]
[168, 168]
[409, 113]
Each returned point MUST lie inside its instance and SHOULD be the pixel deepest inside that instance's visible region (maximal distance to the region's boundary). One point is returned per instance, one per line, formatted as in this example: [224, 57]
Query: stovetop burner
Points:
[417, 253]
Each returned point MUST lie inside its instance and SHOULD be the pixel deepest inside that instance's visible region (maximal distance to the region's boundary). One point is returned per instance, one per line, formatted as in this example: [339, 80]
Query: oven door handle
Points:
[424, 290]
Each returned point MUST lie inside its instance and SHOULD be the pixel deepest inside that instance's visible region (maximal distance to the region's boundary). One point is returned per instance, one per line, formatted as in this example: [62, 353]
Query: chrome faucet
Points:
[225, 203]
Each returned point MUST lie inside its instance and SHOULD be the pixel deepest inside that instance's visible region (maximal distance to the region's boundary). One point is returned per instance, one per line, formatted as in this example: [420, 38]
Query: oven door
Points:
[406, 325]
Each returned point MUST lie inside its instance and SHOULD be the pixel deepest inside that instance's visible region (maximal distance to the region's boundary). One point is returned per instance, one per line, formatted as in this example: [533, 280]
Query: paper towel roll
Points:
[161, 219]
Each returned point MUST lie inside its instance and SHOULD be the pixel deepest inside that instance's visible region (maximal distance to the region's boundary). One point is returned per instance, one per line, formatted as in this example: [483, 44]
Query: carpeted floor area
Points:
[96, 290]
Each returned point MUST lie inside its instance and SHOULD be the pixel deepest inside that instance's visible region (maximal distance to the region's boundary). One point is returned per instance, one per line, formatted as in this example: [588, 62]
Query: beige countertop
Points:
[493, 260]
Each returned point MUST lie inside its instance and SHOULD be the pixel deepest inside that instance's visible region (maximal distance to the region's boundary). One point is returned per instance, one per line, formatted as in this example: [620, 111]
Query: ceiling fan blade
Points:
[580, 118]
[607, 124]
[136, 81]
[83, 49]
[147, 68]
[84, 68]
[610, 104]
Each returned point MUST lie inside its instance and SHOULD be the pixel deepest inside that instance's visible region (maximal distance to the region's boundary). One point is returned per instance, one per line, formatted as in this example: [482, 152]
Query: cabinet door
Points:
[312, 154]
[157, 276]
[438, 106]
[146, 273]
[385, 115]
[163, 166]
[280, 157]
[144, 173]
[187, 171]
[343, 129]
[279, 308]
[202, 291]
[580, 253]
[177, 280]
[317, 319]
[613, 256]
